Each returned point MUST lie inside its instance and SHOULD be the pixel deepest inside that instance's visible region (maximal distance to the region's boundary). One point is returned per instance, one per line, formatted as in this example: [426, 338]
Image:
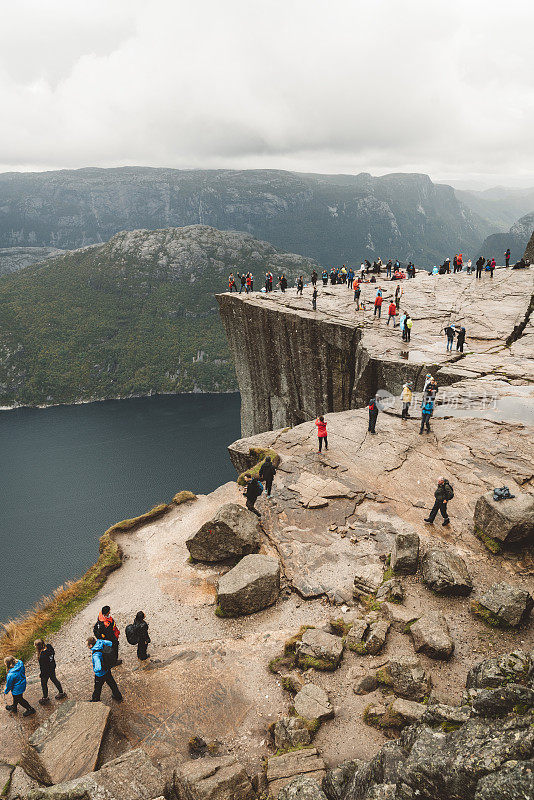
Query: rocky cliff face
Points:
[332, 218]
[529, 252]
[14, 258]
[293, 363]
[516, 239]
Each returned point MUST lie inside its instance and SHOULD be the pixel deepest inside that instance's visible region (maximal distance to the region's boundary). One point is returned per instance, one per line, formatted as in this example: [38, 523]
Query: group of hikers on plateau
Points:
[104, 647]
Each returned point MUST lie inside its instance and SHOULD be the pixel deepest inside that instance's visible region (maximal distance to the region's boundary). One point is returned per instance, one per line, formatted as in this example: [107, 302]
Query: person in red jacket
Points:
[392, 310]
[321, 433]
[378, 305]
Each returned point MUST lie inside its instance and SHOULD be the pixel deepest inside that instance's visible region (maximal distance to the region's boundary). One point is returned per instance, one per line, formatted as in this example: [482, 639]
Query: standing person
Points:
[406, 397]
[314, 277]
[231, 283]
[267, 473]
[343, 273]
[378, 305]
[392, 310]
[16, 684]
[402, 326]
[388, 268]
[141, 637]
[469, 266]
[357, 291]
[350, 278]
[47, 670]
[443, 494]
[283, 283]
[243, 278]
[252, 492]
[479, 264]
[450, 332]
[101, 670]
[373, 415]
[447, 265]
[314, 298]
[105, 628]
[507, 257]
[249, 282]
[408, 327]
[427, 409]
[427, 384]
[460, 339]
[492, 267]
[266, 281]
[325, 277]
[300, 285]
[270, 281]
[321, 432]
[460, 262]
[398, 294]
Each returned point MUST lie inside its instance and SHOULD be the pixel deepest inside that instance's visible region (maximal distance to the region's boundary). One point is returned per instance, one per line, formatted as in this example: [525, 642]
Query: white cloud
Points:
[316, 85]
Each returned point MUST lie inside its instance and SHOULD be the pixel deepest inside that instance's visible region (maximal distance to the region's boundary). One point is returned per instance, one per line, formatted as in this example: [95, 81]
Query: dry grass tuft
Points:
[183, 497]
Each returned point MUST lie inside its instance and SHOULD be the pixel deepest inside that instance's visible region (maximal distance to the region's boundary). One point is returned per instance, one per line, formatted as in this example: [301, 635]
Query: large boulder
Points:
[312, 703]
[405, 677]
[445, 572]
[233, 532]
[514, 667]
[282, 770]
[221, 778]
[289, 732]
[515, 781]
[337, 779]
[302, 788]
[76, 728]
[405, 553]
[319, 650]
[503, 606]
[367, 579]
[131, 776]
[431, 636]
[253, 584]
[504, 522]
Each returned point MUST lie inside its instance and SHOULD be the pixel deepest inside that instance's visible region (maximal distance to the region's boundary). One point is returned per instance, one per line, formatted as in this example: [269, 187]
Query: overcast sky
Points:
[379, 86]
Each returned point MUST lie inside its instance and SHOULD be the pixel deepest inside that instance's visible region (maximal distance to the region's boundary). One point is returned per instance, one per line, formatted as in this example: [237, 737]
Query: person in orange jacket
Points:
[378, 305]
[392, 311]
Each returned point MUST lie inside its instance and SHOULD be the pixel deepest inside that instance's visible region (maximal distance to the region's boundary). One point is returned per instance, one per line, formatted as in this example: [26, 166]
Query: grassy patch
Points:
[488, 616]
[383, 677]
[339, 627]
[293, 749]
[284, 662]
[307, 662]
[388, 574]
[493, 545]
[50, 613]
[183, 497]
[358, 647]
[370, 603]
[449, 726]
[259, 454]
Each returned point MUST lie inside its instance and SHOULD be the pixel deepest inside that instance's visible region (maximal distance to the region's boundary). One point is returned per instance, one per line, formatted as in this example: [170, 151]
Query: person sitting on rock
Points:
[443, 494]
[267, 473]
[252, 492]
[16, 684]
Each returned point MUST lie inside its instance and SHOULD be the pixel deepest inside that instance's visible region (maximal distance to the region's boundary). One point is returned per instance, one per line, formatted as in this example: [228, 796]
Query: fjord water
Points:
[70, 472]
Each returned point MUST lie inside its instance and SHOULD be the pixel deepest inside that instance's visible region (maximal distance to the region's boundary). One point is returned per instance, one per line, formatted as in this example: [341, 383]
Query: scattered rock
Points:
[291, 732]
[431, 636]
[312, 703]
[368, 578]
[514, 780]
[375, 639]
[131, 776]
[21, 785]
[220, 778]
[406, 677]
[354, 638]
[319, 650]
[302, 788]
[281, 770]
[400, 617]
[251, 585]
[503, 606]
[233, 532]
[445, 572]
[365, 685]
[405, 553]
[407, 710]
[76, 728]
[336, 780]
[447, 717]
[506, 521]
[292, 681]
[514, 667]
[397, 714]
[391, 591]
[501, 701]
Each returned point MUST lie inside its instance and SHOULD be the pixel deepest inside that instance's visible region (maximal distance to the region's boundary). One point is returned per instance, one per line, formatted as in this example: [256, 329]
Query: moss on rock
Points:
[259, 454]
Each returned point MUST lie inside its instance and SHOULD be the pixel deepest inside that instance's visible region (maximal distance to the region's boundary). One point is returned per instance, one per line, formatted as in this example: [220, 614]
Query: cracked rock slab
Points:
[319, 650]
[431, 636]
[312, 703]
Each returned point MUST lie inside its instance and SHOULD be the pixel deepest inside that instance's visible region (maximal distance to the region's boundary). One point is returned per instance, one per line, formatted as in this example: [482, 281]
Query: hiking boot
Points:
[61, 695]
[446, 521]
[430, 521]
[117, 662]
[44, 701]
[12, 708]
[29, 712]
[118, 699]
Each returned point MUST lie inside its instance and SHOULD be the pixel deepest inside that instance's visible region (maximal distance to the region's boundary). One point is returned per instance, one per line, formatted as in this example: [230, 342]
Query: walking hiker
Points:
[450, 332]
[408, 327]
[102, 668]
[406, 397]
[479, 264]
[388, 268]
[137, 634]
[460, 339]
[507, 257]
[373, 414]
[402, 326]
[427, 408]
[267, 473]
[321, 433]
[469, 266]
[47, 670]
[16, 684]
[105, 628]
[300, 285]
[252, 492]
[392, 310]
[378, 306]
[443, 494]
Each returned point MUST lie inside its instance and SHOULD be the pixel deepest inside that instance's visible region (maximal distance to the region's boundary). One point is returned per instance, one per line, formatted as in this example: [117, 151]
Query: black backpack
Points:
[132, 633]
[448, 491]
[108, 657]
[502, 493]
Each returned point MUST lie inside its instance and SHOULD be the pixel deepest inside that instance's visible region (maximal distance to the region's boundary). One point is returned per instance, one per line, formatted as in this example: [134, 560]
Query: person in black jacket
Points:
[444, 492]
[143, 639]
[373, 414]
[267, 473]
[460, 339]
[47, 668]
[252, 492]
[105, 628]
[480, 263]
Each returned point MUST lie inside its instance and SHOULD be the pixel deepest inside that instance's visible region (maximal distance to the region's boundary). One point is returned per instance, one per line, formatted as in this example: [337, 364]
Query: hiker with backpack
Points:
[102, 658]
[105, 628]
[267, 473]
[16, 684]
[47, 670]
[137, 634]
[443, 494]
[427, 409]
[252, 492]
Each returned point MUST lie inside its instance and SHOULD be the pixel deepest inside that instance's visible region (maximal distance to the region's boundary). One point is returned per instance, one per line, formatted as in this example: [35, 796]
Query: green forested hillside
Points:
[128, 317]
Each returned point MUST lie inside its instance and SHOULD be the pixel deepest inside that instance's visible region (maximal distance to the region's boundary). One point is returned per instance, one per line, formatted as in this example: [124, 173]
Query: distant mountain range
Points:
[333, 218]
[516, 239]
[499, 206]
[134, 316]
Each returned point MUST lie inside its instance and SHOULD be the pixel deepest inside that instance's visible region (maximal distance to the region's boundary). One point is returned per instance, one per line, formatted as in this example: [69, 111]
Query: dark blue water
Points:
[69, 473]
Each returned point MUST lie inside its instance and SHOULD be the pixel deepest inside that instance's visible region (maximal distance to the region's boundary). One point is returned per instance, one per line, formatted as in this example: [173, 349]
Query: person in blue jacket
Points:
[16, 684]
[427, 408]
[102, 672]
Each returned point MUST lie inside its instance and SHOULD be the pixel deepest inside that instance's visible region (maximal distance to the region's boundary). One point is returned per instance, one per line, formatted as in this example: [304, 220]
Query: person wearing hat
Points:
[406, 397]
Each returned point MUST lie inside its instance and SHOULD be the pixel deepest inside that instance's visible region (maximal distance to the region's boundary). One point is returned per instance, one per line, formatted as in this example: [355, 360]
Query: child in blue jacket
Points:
[16, 684]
